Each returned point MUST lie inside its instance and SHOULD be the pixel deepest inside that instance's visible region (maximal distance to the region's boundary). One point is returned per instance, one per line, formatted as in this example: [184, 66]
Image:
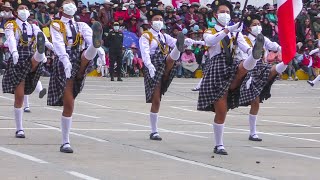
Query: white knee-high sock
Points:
[250, 63]
[39, 57]
[199, 84]
[218, 134]
[252, 123]
[281, 67]
[154, 122]
[65, 128]
[39, 87]
[91, 52]
[316, 80]
[18, 112]
[175, 54]
[26, 101]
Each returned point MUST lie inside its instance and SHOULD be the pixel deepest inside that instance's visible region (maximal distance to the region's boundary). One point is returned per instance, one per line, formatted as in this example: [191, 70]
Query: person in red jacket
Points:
[120, 12]
[306, 64]
[132, 11]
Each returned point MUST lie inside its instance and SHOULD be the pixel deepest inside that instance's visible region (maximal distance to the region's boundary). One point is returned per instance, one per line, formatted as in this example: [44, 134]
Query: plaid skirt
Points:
[216, 81]
[260, 84]
[15, 74]
[58, 78]
[159, 62]
[205, 66]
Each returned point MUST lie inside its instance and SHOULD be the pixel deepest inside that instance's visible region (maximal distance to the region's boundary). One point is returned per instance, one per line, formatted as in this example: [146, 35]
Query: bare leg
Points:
[240, 75]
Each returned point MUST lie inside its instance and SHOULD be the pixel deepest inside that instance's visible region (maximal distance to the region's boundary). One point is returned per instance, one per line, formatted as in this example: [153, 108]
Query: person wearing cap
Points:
[223, 72]
[178, 23]
[25, 65]
[143, 11]
[7, 11]
[105, 15]
[256, 86]
[271, 15]
[115, 43]
[169, 15]
[131, 12]
[72, 63]
[191, 17]
[159, 62]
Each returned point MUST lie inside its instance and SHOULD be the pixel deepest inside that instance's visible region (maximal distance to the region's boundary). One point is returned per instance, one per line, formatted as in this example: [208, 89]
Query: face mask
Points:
[70, 9]
[255, 30]
[224, 18]
[23, 14]
[131, 6]
[116, 28]
[157, 25]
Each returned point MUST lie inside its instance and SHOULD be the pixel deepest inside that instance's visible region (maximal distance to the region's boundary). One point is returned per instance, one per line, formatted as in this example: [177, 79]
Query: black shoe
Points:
[119, 79]
[155, 136]
[220, 151]
[97, 34]
[310, 83]
[112, 78]
[195, 89]
[65, 149]
[252, 138]
[180, 42]
[258, 47]
[26, 110]
[42, 93]
[41, 43]
[20, 135]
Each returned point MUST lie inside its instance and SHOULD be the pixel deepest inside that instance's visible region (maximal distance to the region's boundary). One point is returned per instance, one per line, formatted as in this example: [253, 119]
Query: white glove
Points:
[235, 27]
[49, 45]
[152, 70]
[188, 42]
[15, 57]
[67, 66]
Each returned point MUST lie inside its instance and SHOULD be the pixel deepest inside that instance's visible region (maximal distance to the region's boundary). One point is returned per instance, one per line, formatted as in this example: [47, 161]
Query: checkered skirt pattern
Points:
[58, 78]
[15, 74]
[260, 85]
[159, 62]
[216, 81]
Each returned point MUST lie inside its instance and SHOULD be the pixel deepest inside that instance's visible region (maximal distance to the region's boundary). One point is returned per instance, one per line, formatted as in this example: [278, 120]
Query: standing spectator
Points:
[316, 26]
[114, 43]
[306, 30]
[43, 18]
[105, 15]
[191, 17]
[267, 28]
[93, 12]
[84, 15]
[6, 14]
[271, 15]
[132, 11]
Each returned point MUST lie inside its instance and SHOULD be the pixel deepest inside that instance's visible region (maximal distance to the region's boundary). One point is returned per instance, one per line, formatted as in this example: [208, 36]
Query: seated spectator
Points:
[211, 20]
[85, 15]
[271, 15]
[144, 26]
[122, 24]
[137, 61]
[93, 12]
[267, 28]
[52, 10]
[188, 61]
[316, 63]
[169, 16]
[143, 11]
[316, 26]
[191, 17]
[178, 23]
[306, 64]
[120, 13]
[133, 25]
[131, 12]
[43, 17]
[6, 14]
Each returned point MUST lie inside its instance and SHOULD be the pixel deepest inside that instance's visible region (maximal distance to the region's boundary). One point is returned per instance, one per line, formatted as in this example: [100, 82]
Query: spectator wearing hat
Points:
[143, 11]
[184, 10]
[168, 8]
[196, 6]
[6, 14]
[144, 26]
[191, 17]
[169, 15]
[203, 11]
[43, 17]
[178, 23]
[133, 25]
[271, 15]
[131, 12]
[52, 9]
[188, 61]
[114, 43]
[313, 11]
[120, 12]
[105, 15]
[316, 26]
[85, 15]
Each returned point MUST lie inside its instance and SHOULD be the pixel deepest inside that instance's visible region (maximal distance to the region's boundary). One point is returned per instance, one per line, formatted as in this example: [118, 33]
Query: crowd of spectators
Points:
[191, 19]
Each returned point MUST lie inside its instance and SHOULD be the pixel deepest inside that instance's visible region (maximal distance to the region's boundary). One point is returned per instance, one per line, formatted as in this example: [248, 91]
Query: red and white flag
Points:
[288, 10]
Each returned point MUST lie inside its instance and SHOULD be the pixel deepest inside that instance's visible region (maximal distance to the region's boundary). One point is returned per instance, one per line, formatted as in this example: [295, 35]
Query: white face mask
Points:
[70, 9]
[255, 30]
[131, 6]
[224, 18]
[157, 25]
[116, 28]
[23, 14]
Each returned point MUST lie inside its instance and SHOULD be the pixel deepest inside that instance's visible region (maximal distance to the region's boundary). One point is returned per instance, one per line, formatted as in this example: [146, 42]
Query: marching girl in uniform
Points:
[71, 65]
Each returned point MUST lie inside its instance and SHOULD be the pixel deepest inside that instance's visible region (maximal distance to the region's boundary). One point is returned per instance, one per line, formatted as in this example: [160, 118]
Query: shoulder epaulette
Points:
[62, 27]
[14, 23]
[150, 38]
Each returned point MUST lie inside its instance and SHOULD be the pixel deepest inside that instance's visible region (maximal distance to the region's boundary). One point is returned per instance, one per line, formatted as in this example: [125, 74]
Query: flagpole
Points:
[235, 42]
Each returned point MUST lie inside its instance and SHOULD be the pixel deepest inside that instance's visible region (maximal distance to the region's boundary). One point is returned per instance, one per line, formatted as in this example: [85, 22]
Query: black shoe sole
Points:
[310, 83]
[220, 152]
[20, 136]
[180, 42]
[97, 34]
[40, 43]
[258, 47]
[42, 93]
[255, 139]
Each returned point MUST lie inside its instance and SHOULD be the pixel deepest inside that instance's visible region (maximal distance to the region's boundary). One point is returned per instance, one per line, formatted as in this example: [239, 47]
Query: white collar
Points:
[154, 32]
[66, 20]
[19, 22]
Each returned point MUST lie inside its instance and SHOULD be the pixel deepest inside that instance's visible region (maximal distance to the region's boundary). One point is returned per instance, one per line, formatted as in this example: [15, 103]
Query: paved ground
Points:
[111, 128]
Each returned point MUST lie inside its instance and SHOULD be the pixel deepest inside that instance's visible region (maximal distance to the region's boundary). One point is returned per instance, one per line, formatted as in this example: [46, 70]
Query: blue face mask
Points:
[116, 28]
